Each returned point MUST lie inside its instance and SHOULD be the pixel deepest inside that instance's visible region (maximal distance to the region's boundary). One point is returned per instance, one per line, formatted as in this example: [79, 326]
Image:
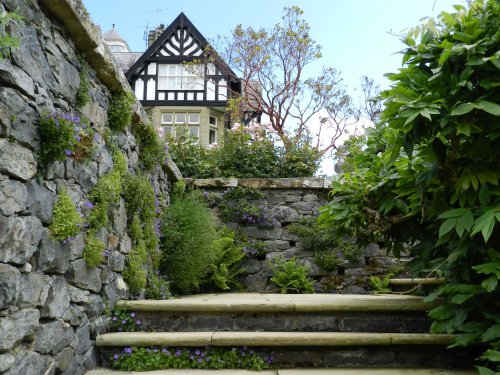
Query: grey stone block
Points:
[52, 337]
[6, 361]
[64, 358]
[16, 161]
[15, 327]
[34, 290]
[13, 197]
[58, 299]
[31, 363]
[84, 277]
[52, 256]
[10, 285]
[40, 201]
[19, 238]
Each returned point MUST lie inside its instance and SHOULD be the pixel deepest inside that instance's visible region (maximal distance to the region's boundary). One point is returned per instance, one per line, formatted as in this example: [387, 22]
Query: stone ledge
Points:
[298, 183]
[262, 302]
[301, 371]
[411, 282]
[279, 339]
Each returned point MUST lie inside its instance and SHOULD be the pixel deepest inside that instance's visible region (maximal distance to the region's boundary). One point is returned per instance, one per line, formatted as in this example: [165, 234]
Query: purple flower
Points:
[67, 152]
[116, 356]
[114, 319]
[89, 205]
[124, 321]
[178, 353]
[138, 322]
[197, 352]
[127, 350]
[132, 315]
[191, 357]
[165, 350]
[200, 360]
[105, 253]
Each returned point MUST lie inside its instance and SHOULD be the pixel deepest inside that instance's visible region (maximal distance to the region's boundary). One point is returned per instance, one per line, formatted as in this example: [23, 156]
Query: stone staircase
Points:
[347, 334]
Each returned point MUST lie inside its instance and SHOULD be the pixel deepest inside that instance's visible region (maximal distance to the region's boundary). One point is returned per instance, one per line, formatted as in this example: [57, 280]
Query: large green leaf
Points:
[489, 107]
[447, 226]
[485, 224]
[462, 109]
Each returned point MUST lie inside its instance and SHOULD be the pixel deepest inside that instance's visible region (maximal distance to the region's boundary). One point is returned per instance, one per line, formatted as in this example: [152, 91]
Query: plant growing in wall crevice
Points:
[120, 110]
[67, 221]
[83, 95]
[290, 276]
[151, 147]
[6, 41]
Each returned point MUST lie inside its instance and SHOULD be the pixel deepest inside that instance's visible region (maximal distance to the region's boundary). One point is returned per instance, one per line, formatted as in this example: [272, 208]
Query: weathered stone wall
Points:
[289, 201]
[51, 304]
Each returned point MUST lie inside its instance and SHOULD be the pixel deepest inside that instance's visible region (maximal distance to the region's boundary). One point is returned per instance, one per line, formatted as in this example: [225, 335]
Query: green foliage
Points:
[119, 163]
[139, 197]
[242, 155]
[228, 257]
[83, 94]
[329, 250]
[134, 272]
[151, 147]
[157, 287]
[108, 189]
[66, 220]
[6, 41]
[64, 135]
[120, 110]
[188, 229]
[93, 251]
[148, 359]
[122, 320]
[291, 277]
[428, 177]
[381, 285]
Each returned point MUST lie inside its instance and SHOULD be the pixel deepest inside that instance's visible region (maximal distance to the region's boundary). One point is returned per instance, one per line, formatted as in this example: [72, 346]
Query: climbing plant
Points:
[428, 175]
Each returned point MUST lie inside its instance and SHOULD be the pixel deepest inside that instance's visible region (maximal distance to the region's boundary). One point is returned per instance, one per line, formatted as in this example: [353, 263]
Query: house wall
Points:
[52, 305]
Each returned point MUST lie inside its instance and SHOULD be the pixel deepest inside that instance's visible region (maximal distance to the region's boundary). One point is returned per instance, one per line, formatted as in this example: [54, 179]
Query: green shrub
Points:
[139, 197]
[83, 94]
[380, 284]
[188, 229]
[290, 276]
[151, 147]
[134, 273]
[157, 287]
[192, 159]
[120, 110]
[93, 251]
[299, 161]
[228, 257]
[66, 220]
[119, 163]
[60, 134]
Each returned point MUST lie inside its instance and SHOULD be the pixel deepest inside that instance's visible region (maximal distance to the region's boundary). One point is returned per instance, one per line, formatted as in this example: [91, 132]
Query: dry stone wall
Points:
[51, 304]
[289, 201]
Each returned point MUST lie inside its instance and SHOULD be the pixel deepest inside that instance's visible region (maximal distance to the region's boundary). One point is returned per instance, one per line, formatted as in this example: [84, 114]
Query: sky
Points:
[357, 36]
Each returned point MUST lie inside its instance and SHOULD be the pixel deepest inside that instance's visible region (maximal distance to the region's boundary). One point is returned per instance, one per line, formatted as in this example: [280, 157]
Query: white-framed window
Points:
[194, 131]
[212, 136]
[167, 118]
[179, 77]
[194, 118]
[180, 118]
[213, 120]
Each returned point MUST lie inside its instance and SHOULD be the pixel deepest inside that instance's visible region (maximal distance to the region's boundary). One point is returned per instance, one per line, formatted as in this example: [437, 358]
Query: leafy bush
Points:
[120, 110]
[157, 287]
[93, 251]
[134, 272]
[147, 359]
[380, 284]
[291, 277]
[83, 94]
[226, 265]
[428, 177]
[192, 159]
[62, 134]
[67, 222]
[151, 147]
[139, 197]
[188, 229]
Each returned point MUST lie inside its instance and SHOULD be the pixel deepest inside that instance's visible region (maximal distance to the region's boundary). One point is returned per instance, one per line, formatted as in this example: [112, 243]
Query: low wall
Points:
[289, 201]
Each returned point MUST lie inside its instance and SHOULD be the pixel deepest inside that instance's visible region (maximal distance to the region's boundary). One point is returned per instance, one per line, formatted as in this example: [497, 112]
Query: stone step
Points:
[262, 302]
[414, 282]
[302, 371]
[282, 339]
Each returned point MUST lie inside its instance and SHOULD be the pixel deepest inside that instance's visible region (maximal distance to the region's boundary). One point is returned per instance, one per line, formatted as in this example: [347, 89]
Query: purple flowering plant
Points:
[122, 320]
[155, 358]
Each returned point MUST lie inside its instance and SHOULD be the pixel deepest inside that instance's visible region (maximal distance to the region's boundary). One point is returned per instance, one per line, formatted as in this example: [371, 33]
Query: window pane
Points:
[168, 131]
[212, 137]
[167, 118]
[194, 118]
[180, 118]
[213, 120]
[194, 131]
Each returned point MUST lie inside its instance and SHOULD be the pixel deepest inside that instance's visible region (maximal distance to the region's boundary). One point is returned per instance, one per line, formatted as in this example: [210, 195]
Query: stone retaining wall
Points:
[51, 304]
[289, 201]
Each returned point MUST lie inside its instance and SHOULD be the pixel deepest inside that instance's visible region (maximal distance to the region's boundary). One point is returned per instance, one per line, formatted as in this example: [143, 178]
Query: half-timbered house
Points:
[181, 87]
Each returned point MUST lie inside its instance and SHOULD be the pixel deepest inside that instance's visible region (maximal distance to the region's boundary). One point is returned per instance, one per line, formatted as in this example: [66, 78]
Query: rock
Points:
[98, 326]
[111, 295]
[52, 337]
[250, 266]
[284, 214]
[90, 359]
[287, 236]
[13, 197]
[265, 234]
[55, 169]
[94, 307]
[384, 262]
[354, 289]
[125, 244]
[74, 315]
[310, 198]
[119, 215]
[78, 295]
[63, 358]
[10, 285]
[40, 201]
[6, 361]
[34, 290]
[14, 77]
[82, 341]
[314, 269]
[275, 246]
[76, 247]
[104, 161]
[304, 206]
[85, 174]
[16, 161]
[31, 363]
[113, 241]
[57, 299]
[65, 74]
[19, 238]
[15, 327]
[255, 283]
[74, 368]
[52, 256]
[372, 250]
[116, 261]
[277, 197]
[121, 287]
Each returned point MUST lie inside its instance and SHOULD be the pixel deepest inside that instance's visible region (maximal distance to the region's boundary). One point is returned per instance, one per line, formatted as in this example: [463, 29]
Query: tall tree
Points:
[271, 64]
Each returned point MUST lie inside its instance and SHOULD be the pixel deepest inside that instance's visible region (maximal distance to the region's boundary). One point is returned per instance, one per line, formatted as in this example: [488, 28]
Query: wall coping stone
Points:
[296, 183]
[88, 39]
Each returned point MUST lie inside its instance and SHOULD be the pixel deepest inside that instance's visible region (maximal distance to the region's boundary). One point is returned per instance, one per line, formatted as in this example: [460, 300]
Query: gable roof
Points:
[181, 39]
